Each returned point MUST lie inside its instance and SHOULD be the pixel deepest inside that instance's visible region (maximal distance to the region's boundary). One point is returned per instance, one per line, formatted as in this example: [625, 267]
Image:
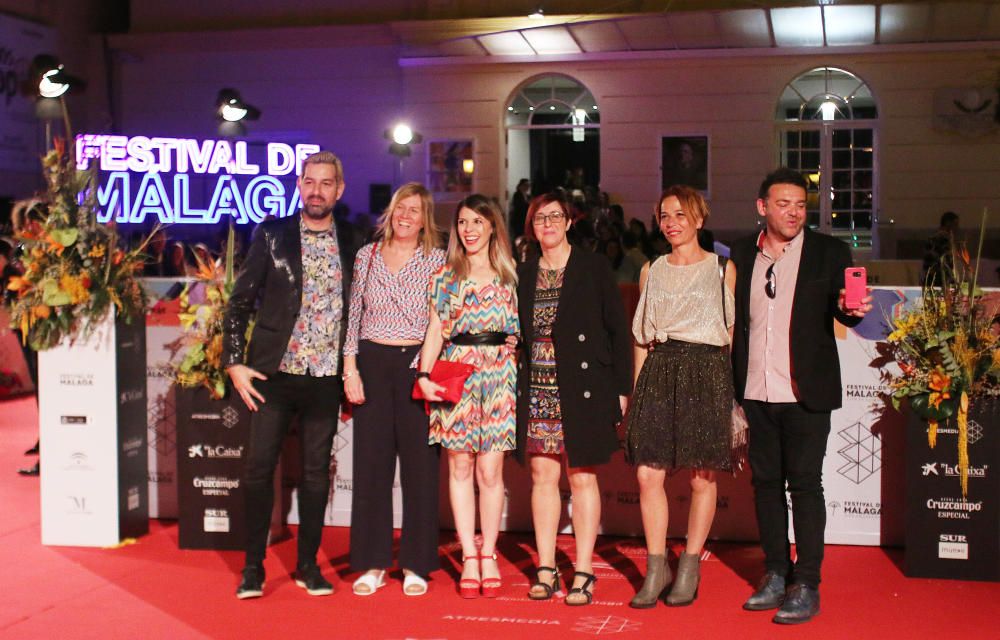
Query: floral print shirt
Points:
[313, 348]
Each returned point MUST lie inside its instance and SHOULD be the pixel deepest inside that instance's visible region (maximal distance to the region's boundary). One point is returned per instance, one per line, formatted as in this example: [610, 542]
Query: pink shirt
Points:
[386, 305]
[769, 371]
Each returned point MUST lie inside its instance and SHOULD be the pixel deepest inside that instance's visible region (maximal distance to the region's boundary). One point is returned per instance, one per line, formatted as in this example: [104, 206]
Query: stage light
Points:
[468, 166]
[51, 77]
[232, 108]
[402, 136]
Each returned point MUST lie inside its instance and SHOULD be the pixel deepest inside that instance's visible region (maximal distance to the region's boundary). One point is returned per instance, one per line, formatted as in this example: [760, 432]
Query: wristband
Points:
[347, 375]
[422, 374]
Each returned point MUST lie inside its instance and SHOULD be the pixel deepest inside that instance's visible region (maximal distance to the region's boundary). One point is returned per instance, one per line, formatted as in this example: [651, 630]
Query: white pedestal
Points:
[92, 425]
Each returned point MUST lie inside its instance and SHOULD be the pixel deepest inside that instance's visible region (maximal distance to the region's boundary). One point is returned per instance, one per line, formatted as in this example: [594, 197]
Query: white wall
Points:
[923, 171]
[344, 85]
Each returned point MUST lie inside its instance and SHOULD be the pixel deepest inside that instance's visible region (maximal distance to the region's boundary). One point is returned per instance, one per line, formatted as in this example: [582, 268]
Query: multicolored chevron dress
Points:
[485, 418]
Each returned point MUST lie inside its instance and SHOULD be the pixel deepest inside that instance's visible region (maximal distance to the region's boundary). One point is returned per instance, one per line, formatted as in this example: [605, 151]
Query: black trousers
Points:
[388, 424]
[315, 400]
[787, 446]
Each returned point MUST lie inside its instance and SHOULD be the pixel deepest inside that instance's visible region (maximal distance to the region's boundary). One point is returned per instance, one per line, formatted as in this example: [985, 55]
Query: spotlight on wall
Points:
[232, 108]
[402, 136]
[51, 79]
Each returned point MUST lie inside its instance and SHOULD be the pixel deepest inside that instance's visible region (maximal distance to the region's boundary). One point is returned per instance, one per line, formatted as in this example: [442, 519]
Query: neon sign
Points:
[145, 178]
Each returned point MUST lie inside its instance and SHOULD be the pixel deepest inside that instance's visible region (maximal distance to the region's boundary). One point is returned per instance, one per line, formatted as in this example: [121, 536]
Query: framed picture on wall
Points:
[450, 168]
[684, 161]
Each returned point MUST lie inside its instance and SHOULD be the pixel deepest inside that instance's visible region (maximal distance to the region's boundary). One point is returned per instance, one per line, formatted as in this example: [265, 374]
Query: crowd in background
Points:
[600, 226]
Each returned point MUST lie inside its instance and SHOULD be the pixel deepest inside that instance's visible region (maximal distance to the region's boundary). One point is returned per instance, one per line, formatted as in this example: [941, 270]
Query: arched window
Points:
[827, 125]
[553, 134]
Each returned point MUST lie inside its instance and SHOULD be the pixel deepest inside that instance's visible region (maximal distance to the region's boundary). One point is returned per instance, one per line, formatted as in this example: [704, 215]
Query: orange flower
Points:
[54, 244]
[119, 255]
[16, 283]
[939, 383]
[41, 311]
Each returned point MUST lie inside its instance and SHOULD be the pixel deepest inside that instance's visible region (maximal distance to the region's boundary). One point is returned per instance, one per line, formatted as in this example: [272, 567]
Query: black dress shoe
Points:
[801, 604]
[30, 471]
[33, 451]
[770, 593]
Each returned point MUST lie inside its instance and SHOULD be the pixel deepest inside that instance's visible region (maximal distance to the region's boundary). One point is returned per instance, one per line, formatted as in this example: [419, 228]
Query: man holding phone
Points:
[789, 290]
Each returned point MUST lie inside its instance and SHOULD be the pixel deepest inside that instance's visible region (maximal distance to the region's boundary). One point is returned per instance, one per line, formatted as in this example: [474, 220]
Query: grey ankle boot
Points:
[685, 588]
[658, 576]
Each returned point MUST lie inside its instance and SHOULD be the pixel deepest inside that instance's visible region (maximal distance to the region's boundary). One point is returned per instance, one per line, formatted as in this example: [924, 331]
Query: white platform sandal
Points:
[369, 583]
[414, 585]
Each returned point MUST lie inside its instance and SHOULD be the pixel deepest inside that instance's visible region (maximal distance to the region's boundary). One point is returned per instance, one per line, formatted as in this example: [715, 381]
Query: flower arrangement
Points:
[74, 270]
[202, 305]
[947, 355]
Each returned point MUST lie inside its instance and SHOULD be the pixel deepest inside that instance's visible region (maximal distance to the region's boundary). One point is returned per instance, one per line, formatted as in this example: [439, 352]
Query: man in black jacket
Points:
[294, 277]
[787, 376]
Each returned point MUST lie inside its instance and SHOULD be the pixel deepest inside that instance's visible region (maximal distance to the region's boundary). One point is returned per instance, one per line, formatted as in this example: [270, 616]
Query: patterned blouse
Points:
[465, 307]
[386, 305]
[312, 349]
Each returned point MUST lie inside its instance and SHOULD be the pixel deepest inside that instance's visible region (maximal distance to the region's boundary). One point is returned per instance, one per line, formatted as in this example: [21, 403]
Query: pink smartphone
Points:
[855, 286]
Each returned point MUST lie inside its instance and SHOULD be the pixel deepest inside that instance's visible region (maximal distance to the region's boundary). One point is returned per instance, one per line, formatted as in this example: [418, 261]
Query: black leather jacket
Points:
[270, 283]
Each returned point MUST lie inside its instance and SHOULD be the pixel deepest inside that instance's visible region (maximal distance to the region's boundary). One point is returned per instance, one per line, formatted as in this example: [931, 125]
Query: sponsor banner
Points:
[852, 469]
[211, 444]
[948, 535]
[162, 332]
[338, 508]
[92, 427]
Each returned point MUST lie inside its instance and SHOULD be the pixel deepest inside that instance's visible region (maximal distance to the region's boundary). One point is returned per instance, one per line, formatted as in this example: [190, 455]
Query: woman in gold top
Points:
[682, 403]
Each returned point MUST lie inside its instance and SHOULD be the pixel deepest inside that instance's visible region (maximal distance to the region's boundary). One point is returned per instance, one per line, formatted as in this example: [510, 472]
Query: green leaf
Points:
[53, 296]
[65, 237]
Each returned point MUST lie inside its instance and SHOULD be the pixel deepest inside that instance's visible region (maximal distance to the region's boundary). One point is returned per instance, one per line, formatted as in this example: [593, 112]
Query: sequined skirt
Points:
[682, 408]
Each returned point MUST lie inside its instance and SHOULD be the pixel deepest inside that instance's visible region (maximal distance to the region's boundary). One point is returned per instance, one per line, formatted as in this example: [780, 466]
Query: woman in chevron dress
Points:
[473, 319]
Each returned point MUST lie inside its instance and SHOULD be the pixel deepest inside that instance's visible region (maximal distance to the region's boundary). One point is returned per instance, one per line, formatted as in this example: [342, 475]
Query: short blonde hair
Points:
[429, 234]
[692, 202]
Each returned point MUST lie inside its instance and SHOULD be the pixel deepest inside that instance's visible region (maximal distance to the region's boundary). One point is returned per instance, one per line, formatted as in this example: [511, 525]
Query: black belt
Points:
[489, 338]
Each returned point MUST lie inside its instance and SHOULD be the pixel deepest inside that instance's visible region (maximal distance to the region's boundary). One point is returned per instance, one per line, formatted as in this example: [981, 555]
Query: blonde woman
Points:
[386, 325]
[682, 404]
[473, 319]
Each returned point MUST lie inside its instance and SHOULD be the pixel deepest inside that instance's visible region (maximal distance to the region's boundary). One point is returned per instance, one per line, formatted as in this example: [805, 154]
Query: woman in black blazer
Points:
[574, 378]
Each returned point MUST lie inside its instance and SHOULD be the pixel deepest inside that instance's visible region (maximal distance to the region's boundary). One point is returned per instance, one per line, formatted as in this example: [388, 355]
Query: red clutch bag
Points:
[451, 376]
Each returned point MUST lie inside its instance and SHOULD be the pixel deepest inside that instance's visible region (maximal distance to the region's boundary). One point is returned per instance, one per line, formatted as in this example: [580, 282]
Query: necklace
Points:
[548, 265]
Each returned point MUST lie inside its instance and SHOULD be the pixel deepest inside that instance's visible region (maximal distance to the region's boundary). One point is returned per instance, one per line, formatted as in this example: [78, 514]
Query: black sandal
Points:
[550, 589]
[583, 588]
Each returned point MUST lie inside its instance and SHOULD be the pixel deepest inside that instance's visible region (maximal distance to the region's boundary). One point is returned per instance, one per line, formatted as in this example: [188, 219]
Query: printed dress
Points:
[545, 430]
[485, 418]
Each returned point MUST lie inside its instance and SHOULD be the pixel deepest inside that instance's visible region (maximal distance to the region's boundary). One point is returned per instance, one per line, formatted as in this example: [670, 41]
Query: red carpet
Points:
[151, 589]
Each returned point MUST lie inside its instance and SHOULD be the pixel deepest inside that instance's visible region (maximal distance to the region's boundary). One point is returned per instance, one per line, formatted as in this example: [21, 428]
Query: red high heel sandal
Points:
[469, 587]
[491, 586]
